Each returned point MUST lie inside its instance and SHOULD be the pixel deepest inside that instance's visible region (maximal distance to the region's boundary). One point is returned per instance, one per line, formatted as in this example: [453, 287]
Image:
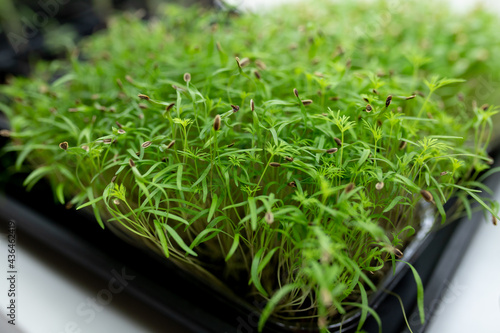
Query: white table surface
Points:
[52, 289]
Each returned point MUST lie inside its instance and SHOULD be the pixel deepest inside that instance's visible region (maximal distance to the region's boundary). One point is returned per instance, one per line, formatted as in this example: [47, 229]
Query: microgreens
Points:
[288, 150]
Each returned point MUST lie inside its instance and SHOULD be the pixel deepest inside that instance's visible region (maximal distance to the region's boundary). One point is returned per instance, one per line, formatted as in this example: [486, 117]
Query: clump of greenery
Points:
[282, 154]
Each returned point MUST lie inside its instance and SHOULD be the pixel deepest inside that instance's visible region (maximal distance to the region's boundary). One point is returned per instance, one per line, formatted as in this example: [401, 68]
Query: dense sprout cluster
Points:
[286, 150]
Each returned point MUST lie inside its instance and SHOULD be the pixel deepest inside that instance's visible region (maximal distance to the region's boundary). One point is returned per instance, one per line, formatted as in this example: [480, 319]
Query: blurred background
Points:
[52, 288]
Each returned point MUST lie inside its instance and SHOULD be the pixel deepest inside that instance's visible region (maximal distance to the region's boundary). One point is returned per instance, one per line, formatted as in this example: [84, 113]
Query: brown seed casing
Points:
[86, 148]
[410, 97]
[131, 163]
[402, 145]
[307, 101]
[388, 101]
[494, 219]
[375, 91]
[398, 253]
[349, 188]
[369, 108]
[289, 159]
[260, 64]
[296, 92]
[235, 108]
[366, 100]
[63, 145]
[269, 217]
[142, 96]
[379, 186]
[292, 184]
[113, 179]
[275, 164]
[143, 106]
[171, 144]
[338, 141]
[444, 173]
[118, 124]
[187, 77]
[121, 131]
[244, 62]
[427, 196]
[107, 141]
[230, 145]
[332, 150]
[169, 107]
[217, 122]
[146, 144]
[257, 75]
[252, 105]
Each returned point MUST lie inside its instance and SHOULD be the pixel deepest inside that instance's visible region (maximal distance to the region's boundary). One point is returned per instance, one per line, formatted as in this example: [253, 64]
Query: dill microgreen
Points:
[304, 180]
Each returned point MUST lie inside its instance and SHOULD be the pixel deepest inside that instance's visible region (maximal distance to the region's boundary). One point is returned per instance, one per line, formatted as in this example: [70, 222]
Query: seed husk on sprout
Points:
[169, 107]
[118, 124]
[275, 164]
[252, 105]
[349, 188]
[187, 77]
[131, 163]
[332, 150]
[121, 131]
[269, 217]
[230, 145]
[86, 148]
[402, 145]
[427, 196]
[289, 159]
[63, 145]
[244, 62]
[410, 97]
[235, 108]
[146, 144]
[296, 92]
[379, 186]
[375, 91]
[369, 108]
[113, 179]
[398, 253]
[388, 101]
[338, 141]
[307, 101]
[261, 65]
[257, 75]
[142, 96]
[116, 201]
[494, 219]
[107, 141]
[217, 123]
[292, 184]
[171, 144]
